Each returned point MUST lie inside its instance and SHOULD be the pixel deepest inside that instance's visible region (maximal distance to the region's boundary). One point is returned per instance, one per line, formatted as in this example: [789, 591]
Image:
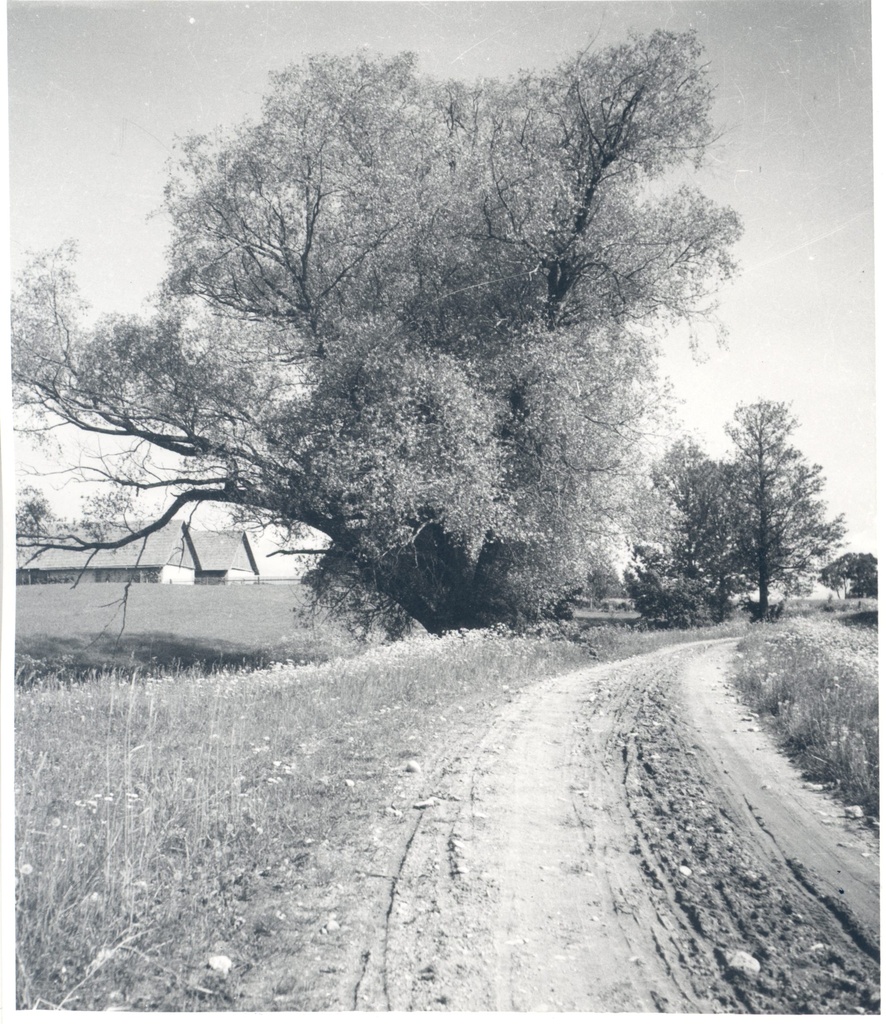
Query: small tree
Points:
[34, 518]
[854, 574]
[865, 583]
[662, 594]
[783, 535]
[603, 582]
[702, 522]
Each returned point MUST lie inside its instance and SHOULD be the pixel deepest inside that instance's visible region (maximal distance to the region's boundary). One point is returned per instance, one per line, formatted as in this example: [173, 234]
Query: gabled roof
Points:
[166, 546]
[221, 550]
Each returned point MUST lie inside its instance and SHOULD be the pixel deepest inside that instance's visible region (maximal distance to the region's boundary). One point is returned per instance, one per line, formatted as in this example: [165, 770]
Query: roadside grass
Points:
[162, 820]
[614, 640]
[149, 811]
[816, 681]
[96, 626]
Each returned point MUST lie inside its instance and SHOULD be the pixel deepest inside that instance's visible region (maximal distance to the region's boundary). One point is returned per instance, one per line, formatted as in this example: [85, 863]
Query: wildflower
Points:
[221, 964]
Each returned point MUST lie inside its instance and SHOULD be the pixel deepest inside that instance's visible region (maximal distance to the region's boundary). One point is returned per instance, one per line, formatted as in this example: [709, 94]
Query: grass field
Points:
[166, 819]
[160, 628]
[863, 610]
[598, 617]
[101, 625]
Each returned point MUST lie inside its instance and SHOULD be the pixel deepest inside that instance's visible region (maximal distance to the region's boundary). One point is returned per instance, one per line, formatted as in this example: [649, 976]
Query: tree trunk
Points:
[437, 583]
[764, 593]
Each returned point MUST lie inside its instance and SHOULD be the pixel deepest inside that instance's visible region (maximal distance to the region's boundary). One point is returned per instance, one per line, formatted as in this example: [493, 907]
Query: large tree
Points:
[784, 536]
[416, 316]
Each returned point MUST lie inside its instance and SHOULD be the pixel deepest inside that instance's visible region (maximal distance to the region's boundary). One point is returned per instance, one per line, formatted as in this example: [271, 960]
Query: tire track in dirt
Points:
[835, 858]
[585, 855]
[739, 890]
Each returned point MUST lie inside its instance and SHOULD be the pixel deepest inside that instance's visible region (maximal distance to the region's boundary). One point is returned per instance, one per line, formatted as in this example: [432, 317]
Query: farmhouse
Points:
[223, 557]
[166, 556]
[174, 554]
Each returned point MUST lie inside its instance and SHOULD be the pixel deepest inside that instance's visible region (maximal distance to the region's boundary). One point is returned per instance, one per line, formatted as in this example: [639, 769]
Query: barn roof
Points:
[217, 550]
[164, 546]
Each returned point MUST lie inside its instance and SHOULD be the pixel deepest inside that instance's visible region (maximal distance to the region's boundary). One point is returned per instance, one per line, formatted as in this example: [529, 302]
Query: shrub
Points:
[664, 599]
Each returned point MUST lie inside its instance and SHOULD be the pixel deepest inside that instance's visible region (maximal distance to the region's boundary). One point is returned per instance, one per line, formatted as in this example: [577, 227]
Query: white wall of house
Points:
[237, 575]
[176, 574]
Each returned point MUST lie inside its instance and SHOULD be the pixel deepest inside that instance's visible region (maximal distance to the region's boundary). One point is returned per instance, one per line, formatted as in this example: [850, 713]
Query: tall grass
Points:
[817, 679]
[146, 807]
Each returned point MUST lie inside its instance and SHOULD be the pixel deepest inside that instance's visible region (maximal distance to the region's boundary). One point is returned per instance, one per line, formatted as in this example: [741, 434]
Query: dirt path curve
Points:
[608, 846]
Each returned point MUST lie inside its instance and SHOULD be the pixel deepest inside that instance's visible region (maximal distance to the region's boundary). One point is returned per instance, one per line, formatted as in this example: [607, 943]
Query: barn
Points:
[166, 556]
[223, 556]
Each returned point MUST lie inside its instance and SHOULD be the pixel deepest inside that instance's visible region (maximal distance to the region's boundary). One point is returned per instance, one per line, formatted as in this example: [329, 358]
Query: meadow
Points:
[814, 677]
[96, 626]
[167, 817]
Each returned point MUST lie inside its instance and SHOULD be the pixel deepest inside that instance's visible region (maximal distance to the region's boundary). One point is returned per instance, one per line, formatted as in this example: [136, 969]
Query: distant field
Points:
[597, 617]
[836, 606]
[165, 626]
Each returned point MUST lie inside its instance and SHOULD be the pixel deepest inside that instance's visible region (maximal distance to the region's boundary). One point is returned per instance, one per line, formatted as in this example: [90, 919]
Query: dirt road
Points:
[626, 839]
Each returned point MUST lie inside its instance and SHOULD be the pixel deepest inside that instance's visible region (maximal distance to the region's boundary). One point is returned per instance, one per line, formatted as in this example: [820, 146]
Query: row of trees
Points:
[752, 521]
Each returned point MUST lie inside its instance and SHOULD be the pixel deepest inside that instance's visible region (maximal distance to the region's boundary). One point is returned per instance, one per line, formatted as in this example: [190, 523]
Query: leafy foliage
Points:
[663, 595]
[753, 520]
[604, 581]
[854, 574]
[703, 524]
[33, 514]
[416, 316]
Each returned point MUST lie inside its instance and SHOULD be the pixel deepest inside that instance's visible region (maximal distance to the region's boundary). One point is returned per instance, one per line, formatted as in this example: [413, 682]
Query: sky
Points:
[99, 92]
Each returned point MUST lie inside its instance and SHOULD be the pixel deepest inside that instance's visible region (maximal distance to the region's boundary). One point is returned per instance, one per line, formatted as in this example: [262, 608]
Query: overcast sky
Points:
[99, 92]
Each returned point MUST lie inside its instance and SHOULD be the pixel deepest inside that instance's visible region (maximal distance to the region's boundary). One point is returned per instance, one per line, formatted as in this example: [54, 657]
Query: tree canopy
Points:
[689, 577]
[703, 523]
[855, 574]
[417, 316]
[784, 534]
[754, 520]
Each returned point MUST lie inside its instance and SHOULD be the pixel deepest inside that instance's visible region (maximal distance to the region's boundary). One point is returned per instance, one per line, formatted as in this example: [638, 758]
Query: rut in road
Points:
[591, 853]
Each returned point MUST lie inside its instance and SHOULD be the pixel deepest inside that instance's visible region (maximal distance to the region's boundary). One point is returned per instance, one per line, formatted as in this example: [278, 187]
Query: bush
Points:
[772, 614]
[667, 601]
